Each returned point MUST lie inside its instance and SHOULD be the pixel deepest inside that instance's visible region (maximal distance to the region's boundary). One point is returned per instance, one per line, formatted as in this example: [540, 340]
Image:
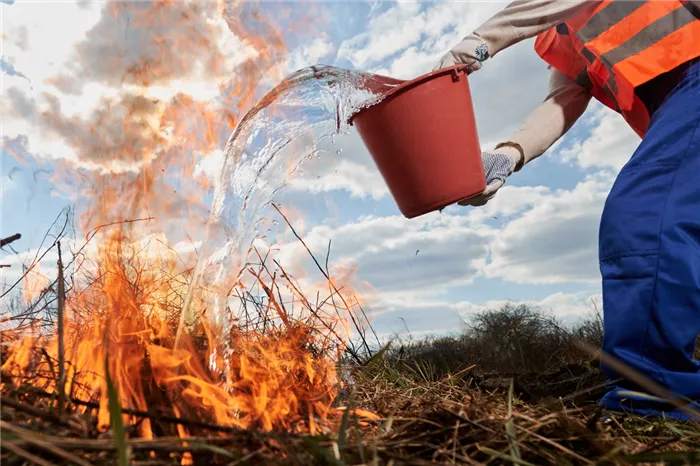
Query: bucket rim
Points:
[408, 84]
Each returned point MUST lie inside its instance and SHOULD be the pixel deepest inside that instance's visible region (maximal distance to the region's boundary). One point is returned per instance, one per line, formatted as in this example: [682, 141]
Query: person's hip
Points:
[655, 92]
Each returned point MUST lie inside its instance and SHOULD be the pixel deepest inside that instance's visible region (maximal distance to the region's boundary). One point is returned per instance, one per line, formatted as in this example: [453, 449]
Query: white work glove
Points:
[498, 165]
[471, 51]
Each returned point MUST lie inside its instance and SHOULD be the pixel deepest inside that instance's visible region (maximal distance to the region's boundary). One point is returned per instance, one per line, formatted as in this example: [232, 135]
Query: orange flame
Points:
[280, 378]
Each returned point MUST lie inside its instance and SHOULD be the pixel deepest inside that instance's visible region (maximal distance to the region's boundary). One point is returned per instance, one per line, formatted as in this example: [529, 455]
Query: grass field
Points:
[513, 388]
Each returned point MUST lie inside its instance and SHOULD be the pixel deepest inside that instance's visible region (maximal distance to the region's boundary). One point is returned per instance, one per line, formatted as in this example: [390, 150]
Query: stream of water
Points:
[266, 148]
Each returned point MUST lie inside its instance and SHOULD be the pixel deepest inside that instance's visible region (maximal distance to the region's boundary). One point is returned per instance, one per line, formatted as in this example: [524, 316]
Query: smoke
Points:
[152, 43]
[151, 52]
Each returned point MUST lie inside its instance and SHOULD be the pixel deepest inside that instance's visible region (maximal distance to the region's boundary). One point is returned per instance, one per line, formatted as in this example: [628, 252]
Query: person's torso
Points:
[627, 54]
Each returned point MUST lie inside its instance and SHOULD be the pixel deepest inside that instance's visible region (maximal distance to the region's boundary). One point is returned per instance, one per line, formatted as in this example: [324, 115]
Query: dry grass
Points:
[473, 415]
[514, 389]
[450, 421]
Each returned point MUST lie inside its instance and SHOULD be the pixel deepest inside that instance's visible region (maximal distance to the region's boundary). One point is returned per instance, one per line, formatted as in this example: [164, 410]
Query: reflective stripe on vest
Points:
[628, 43]
[556, 47]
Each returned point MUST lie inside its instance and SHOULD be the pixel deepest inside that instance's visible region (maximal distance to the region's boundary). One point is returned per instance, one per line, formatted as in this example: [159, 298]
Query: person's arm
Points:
[518, 21]
[562, 107]
[524, 19]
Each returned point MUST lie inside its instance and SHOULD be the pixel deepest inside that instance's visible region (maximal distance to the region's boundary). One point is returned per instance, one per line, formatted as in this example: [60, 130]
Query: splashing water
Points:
[267, 147]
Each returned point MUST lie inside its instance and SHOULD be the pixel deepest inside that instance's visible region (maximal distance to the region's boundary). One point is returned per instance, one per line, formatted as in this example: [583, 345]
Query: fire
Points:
[280, 377]
[274, 367]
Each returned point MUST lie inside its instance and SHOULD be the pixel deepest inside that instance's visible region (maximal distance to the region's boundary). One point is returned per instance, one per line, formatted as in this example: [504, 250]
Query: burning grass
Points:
[450, 421]
[272, 368]
[286, 388]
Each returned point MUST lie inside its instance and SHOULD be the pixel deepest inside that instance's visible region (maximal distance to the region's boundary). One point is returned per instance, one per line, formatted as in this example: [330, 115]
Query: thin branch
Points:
[326, 274]
[36, 412]
[5, 241]
[61, 345]
[38, 259]
[36, 440]
[147, 415]
[21, 452]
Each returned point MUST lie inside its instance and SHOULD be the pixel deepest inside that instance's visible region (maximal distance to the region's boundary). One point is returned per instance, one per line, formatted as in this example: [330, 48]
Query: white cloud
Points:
[387, 33]
[424, 256]
[411, 63]
[32, 30]
[358, 180]
[310, 53]
[555, 241]
[553, 237]
[610, 144]
[510, 201]
[209, 166]
[426, 31]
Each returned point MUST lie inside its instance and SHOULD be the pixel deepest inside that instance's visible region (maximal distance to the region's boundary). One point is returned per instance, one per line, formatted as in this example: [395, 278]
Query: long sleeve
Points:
[563, 106]
[524, 19]
[566, 101]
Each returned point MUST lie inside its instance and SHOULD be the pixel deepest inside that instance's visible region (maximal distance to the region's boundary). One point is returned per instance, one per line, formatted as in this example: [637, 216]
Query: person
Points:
[640, 59]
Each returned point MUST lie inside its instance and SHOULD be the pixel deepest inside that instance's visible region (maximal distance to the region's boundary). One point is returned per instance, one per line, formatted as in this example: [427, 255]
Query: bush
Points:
[514, 339]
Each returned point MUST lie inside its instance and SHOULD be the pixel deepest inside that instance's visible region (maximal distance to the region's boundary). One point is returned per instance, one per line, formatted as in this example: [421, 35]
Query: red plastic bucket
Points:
[423, 139]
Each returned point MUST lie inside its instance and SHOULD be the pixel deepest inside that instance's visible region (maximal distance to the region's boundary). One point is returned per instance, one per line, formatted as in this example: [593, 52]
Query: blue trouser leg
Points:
[650, 253]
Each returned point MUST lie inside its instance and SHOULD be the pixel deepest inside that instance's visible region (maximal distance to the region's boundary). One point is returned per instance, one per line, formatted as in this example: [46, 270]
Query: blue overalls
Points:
[649, 250]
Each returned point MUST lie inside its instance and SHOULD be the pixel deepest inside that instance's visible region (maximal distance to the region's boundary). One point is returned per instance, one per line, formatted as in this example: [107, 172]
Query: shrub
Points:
[514, 339]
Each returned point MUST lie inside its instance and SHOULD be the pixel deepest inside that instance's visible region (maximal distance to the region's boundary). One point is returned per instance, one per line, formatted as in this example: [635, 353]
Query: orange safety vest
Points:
[613, 47]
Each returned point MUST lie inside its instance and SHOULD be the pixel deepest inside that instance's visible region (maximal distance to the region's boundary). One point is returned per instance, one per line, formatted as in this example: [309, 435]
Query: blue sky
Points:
[536, 242]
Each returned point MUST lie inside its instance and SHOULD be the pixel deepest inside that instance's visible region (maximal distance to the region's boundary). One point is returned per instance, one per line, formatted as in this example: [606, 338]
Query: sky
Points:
[535, 243]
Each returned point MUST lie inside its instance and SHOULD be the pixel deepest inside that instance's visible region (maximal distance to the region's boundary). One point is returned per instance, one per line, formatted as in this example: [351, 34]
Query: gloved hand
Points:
[471, 51]
[498, 165]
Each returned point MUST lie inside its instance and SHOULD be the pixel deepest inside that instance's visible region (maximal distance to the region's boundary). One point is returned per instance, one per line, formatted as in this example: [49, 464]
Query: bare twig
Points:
[38, 258]
[36, 412]
[328, 278]
[19, 451]
[169, 444]
[153, 416]
[281, 312]
[36, 440]
[61, 347]
[5, 241]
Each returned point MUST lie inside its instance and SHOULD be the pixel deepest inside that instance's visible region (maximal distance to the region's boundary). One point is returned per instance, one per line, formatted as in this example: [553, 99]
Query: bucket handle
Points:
[459, 69]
